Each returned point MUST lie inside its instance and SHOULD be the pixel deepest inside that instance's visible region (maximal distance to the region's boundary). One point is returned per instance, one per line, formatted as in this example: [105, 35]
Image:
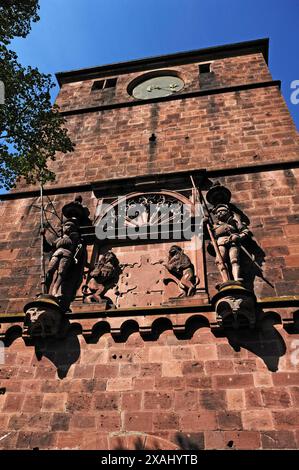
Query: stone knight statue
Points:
[66, 248]
[229, 233]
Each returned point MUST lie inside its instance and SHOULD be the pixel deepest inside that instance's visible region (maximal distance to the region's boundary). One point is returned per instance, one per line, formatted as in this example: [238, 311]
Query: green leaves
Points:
[16, 17]
[31, 129]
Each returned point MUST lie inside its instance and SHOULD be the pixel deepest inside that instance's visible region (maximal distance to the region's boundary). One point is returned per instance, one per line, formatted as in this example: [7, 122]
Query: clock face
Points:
[157, 87]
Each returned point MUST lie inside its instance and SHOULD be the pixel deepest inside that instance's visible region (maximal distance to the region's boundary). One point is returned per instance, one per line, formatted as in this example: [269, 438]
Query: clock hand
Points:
[171, 87]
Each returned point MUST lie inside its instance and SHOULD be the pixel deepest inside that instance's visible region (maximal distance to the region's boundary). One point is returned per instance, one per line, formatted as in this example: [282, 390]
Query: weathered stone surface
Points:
[168, 380]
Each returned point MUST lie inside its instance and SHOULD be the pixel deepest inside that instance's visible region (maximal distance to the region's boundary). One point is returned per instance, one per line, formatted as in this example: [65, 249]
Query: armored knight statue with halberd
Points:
[229, 233]
[66, 248]
[45, 313]
[233, 303]
[66, 266]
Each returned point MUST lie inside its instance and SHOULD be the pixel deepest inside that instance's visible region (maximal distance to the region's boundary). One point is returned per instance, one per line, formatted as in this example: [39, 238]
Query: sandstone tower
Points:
[165, 340]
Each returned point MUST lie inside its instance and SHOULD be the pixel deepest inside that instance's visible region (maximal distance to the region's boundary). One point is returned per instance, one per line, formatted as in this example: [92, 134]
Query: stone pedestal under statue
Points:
[235, 305]
[43, 316]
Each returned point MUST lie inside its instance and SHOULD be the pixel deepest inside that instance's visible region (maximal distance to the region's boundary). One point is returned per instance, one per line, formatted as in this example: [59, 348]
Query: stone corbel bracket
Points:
[235, 306]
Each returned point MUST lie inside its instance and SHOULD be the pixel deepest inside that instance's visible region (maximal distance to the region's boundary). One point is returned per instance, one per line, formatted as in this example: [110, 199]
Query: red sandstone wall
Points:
[269, 199]
[197, 393]
[218, 131]
[248, 127]
[225, 72]
[20, 249]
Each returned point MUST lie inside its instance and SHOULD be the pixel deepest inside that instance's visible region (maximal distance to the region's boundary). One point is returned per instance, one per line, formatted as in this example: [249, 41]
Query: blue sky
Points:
[82, 33]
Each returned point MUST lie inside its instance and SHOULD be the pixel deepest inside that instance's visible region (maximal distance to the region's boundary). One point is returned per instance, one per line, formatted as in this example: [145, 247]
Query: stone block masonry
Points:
[161, 378]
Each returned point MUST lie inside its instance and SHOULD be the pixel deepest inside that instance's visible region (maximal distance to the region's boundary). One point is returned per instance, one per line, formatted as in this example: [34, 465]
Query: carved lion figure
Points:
[102, 278]
[180, 266]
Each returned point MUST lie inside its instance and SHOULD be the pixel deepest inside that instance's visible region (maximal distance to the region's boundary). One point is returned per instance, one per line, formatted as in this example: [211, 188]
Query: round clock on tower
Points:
[156, 86]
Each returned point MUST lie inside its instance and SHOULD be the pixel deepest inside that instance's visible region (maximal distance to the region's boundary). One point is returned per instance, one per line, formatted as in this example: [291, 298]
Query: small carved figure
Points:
[180, 266]
[103, 276]
[229, 232]
[66, 247]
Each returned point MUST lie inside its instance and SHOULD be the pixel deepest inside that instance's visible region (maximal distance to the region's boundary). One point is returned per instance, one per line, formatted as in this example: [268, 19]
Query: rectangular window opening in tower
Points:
[104, 84]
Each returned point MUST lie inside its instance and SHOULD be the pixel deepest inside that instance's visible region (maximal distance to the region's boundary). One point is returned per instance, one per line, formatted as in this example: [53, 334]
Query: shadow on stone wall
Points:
[193, 441]
[137, 444]
[181, 441]
[293, 327]
[61, 352]
[264, 341]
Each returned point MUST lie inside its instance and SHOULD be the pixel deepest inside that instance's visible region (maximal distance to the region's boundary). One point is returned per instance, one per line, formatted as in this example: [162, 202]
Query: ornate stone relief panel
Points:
[144, 278]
